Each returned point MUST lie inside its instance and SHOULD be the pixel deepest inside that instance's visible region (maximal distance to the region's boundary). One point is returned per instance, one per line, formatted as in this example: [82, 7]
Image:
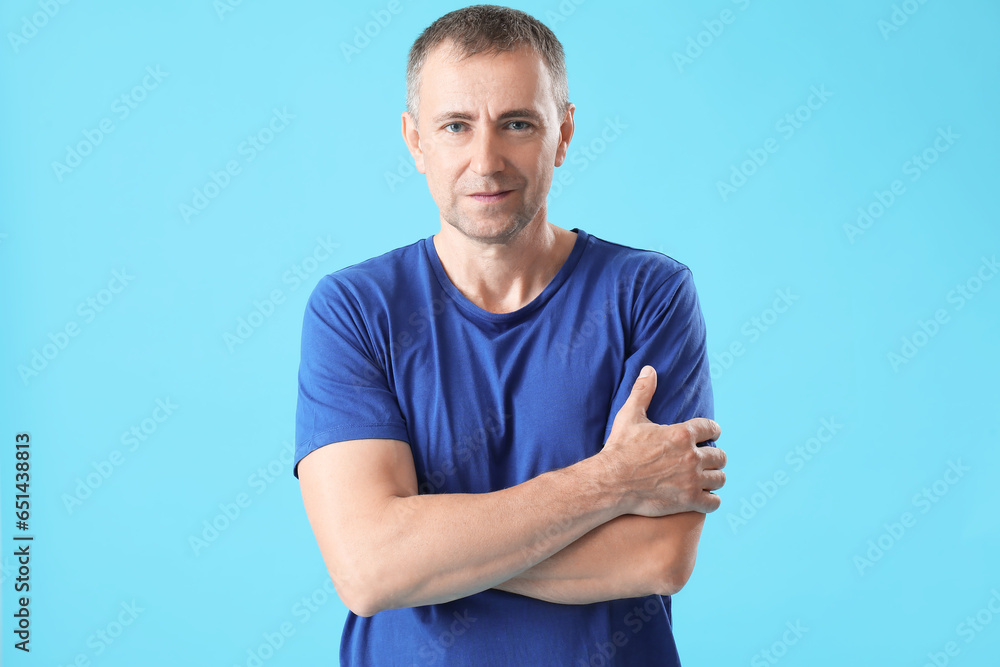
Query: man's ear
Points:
[412, 138]
[565, 134]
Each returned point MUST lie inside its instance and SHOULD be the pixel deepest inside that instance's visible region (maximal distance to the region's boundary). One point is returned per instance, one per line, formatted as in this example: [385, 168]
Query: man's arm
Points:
[613, 561]
[617, 560]
[387, 547]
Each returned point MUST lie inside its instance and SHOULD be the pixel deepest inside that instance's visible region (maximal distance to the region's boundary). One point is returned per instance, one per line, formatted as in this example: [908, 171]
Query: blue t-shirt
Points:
[486, 401]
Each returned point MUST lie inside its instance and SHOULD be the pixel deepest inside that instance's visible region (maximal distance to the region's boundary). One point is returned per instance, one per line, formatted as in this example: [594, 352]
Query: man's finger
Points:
[714, 480]
[642, 393]
[712, 458]
[703, 429]
[709, 502]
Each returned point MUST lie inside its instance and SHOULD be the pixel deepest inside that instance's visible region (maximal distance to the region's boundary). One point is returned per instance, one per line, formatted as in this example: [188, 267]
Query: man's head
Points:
[488, 111]
[488, 29]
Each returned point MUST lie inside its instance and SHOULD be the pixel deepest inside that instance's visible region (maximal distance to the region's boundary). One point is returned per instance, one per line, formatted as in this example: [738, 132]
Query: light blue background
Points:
[324, 176]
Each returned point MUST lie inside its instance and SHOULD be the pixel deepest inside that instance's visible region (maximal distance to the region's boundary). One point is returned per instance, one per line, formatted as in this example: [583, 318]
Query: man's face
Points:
[488, 124]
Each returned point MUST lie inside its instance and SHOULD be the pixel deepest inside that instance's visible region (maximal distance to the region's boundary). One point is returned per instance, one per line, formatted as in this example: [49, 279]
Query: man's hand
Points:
[660, 467]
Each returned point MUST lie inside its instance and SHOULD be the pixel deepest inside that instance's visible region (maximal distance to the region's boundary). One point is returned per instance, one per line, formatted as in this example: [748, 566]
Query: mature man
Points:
[487, 480]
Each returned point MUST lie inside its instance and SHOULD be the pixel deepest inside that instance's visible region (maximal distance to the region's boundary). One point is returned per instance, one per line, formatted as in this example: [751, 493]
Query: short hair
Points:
[488, 29]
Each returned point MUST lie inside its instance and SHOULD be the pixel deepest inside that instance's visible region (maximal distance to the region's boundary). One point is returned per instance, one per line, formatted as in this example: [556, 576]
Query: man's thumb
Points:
[643, 389]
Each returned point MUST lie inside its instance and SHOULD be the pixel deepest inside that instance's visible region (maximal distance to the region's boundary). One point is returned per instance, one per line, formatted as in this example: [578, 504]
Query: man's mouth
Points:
[488, 197]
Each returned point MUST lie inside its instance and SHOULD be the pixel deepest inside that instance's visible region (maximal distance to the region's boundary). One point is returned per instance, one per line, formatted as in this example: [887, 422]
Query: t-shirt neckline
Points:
[506, 318]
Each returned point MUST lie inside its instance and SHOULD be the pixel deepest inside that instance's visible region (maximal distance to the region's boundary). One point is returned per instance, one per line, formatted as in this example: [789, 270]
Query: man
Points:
[489, 479]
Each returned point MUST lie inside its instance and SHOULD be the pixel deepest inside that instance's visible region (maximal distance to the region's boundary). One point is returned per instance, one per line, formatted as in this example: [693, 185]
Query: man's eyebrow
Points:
[513, 113]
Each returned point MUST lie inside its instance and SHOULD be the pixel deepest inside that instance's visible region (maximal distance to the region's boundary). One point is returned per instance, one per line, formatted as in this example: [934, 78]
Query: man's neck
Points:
[502, 278]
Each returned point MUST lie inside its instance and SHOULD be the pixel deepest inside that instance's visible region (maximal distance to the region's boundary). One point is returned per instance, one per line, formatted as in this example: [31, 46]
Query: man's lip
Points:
[482, 194]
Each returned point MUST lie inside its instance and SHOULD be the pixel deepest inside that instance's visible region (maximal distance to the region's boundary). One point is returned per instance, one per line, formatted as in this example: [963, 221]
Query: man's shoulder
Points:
[376, 276]
[628, 261]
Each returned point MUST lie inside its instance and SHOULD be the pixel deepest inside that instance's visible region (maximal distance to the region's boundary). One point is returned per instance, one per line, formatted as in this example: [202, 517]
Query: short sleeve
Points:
[343, 393]
[668, 333]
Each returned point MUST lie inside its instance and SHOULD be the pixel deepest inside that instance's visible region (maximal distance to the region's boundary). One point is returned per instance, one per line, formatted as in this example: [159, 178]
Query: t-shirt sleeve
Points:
[343, 393]
[668, 333]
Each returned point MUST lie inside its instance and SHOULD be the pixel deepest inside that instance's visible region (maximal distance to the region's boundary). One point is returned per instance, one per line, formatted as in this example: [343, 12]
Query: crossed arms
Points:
[618, 524]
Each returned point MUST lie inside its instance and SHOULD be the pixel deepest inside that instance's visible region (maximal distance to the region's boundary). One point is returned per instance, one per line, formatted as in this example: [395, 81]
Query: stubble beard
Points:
[515, 223]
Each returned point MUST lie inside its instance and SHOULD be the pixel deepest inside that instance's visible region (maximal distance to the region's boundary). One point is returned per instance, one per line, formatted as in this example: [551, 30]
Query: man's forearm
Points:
[616, 560]
[435, 548]
[631, 556]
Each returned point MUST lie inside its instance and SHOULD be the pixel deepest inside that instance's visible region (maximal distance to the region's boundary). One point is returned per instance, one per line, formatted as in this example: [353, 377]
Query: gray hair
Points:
[488, 29]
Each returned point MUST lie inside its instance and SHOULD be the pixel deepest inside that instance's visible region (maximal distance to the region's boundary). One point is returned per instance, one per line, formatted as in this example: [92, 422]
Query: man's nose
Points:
[487, 155]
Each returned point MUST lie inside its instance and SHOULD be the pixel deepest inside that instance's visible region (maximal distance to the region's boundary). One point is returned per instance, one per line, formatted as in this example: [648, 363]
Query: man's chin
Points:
[490, 229]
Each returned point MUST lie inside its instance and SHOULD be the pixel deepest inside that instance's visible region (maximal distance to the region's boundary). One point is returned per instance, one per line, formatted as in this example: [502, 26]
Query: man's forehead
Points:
[451, 82]
[449, 57]
[450, 50]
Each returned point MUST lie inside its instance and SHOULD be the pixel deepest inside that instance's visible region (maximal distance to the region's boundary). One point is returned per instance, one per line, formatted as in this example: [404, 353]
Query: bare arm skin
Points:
[386, 547]
[631, 556]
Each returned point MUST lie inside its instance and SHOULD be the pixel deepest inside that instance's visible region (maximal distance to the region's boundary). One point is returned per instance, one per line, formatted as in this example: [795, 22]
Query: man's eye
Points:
[525, 125]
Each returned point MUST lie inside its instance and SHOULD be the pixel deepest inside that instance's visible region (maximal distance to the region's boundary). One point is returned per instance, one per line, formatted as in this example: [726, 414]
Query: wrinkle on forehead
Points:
[465, 84]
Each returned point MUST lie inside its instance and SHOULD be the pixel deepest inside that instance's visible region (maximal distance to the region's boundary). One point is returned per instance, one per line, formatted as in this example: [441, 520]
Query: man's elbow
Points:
[358, 592]
[675, 576]
[369, 581]
[679, 551]
[678, 566]
[366, 612]
[679, 575]
[361, 606]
